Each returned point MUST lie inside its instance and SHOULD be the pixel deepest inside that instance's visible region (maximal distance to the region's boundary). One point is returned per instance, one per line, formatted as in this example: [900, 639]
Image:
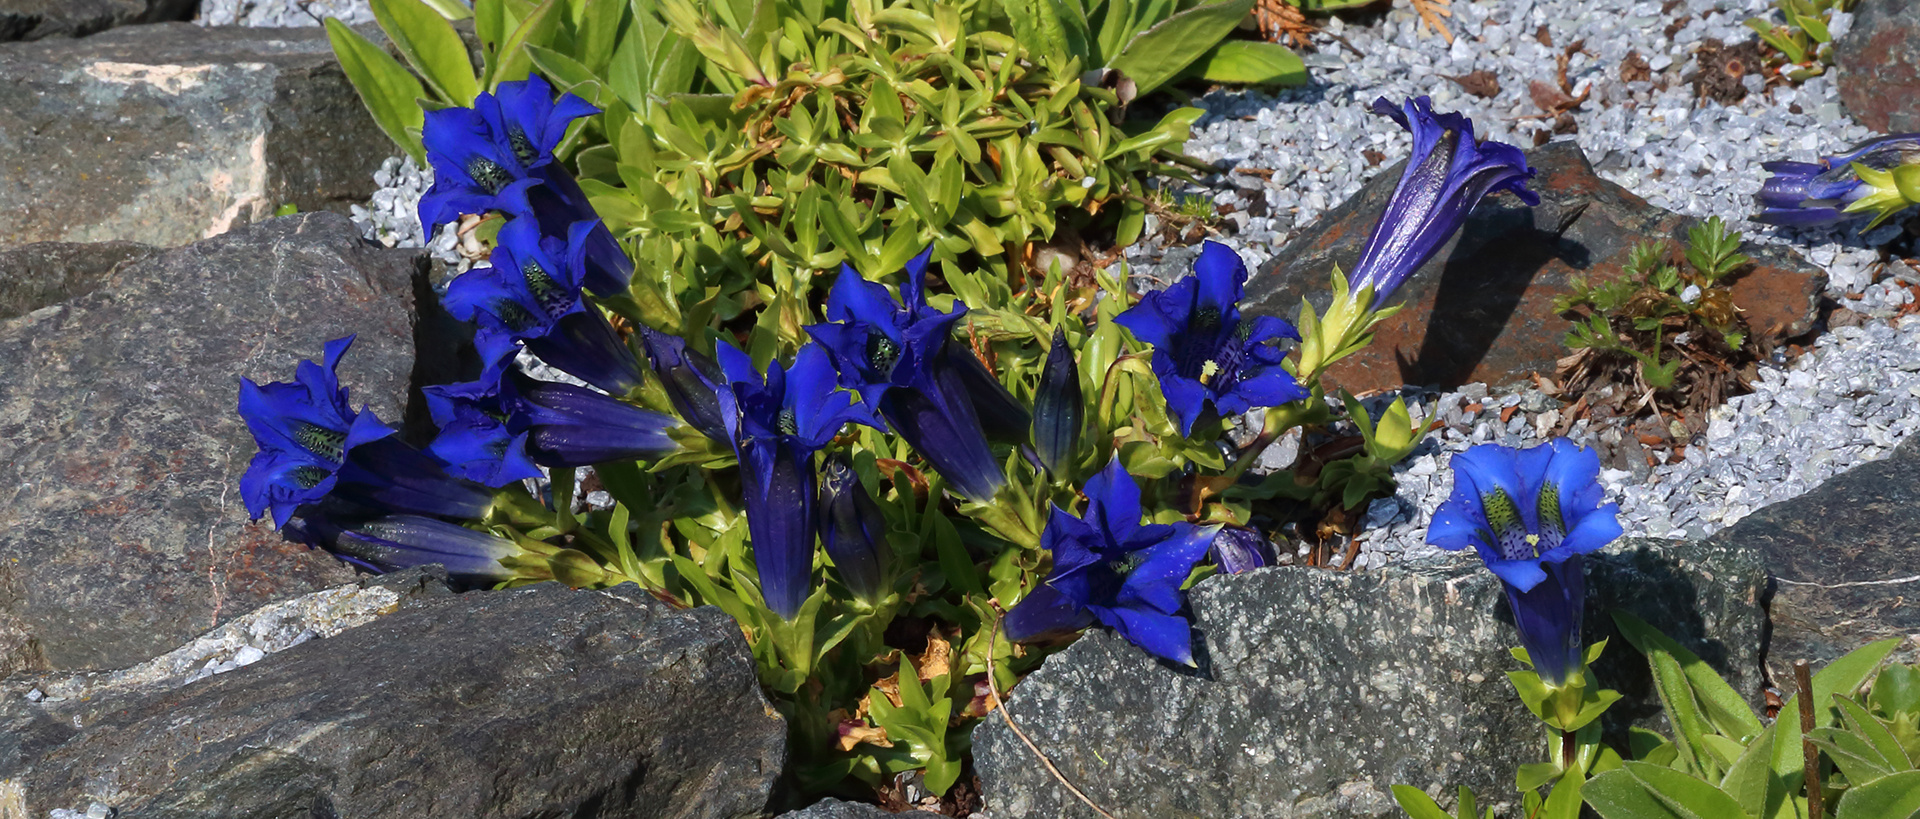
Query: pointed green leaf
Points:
[1250, 62]
[1160, 53]
[386, 88]
[1889, 797]
[431, 46]
[1417, 803]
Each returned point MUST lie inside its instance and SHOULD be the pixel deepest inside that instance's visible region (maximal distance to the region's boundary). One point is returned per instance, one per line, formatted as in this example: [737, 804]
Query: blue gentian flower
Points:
[314, 446]
[782, 420]
[570, 426]
[1816, 194]
[476, 440]
[1204, 353]
[1240, 549]
[895, 354]
[1057, 407]
[1531, 514]
[1448, 173]
[692, 382]
[854, 531]
[400, 542]
[305, 430]
[531, 294]
[498, 156]
[1126, 574]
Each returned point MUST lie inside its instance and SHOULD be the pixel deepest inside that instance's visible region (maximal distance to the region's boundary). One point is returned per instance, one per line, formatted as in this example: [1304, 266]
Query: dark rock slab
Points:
[1844, 562]
[1879, 62]
[34, 19]
[536, 702]
[1482, 309]
[1318, 690]
[836, 809]
[169, 133]
[122, 532]
[36, 275]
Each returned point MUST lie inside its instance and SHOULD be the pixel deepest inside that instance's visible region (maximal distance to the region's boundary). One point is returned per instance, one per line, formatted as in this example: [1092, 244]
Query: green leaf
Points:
[1875, 733]
[431, 46]
[1889, 797]
[1160, 53]
[386, 88]
[513, 63]
[1251, 63]
[1684, 794]
[1845, 675]
[1748, 777]
[1724, 708]
[1564, 801]
[1417, 803]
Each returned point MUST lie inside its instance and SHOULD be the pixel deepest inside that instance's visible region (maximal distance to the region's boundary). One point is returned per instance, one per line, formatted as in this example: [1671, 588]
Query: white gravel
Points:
[281, 13]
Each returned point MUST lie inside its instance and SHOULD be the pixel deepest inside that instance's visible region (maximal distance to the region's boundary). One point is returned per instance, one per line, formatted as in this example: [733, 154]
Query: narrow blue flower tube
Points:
[1240, 549]
[1206, 357]
[404, 541]
[1448, 173]
[570, 426]
[1531, 514]
[1818, 194]
[1058, 406]
[692, 381]
[783, 418]
[854, 531]
[1125, 574]
[895, 354]
[390, 474]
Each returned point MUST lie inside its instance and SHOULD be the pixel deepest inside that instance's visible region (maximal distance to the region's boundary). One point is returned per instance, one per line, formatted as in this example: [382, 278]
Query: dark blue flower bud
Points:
[1057, 407]
[404, 541]
[854, 531]
[1239, 549]
[571, 426]
[692, 381]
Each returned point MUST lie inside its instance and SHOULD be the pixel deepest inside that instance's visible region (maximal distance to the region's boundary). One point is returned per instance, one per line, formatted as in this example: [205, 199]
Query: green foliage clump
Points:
[1803, 39]
[1661, 327]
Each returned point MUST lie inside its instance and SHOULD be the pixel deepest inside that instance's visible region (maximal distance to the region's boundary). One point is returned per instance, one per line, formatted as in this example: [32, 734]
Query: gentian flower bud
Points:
[1239, 549]
[1057, 407]
[1203, 352]
[404, 541]
[854, 531]
[692, 382]
[570, 426]
[1448, 173]
[1531, 514]
[1125, 574]
[1866, 179]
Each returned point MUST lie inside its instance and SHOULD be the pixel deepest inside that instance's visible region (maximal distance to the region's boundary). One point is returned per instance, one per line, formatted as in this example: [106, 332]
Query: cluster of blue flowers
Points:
[340, 479]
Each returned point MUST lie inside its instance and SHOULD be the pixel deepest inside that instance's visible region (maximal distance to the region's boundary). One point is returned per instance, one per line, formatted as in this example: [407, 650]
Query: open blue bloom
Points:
[782, 420]
[1057, 407]
[1203, 352]
[498, 155]
[404, 541]
[569, 426]
[895, 354]
[305, 430]
[476, 440]
[1125, 574]
[1240, 549]
[854, 531]
[1815, 194]
[692, 382]
[1448, 173]
[1531, 514]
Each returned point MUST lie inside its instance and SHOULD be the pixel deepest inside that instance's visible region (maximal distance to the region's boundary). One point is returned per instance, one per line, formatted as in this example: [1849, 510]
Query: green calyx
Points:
[1893, 191]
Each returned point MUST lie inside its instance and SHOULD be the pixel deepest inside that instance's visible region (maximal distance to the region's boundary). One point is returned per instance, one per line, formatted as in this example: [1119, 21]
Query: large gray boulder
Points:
[536, 702]
[47, 273]
[1843, 560]
[1879, 67]
[122, 531]
[34, 19]
[169, 133]
[1317, 690]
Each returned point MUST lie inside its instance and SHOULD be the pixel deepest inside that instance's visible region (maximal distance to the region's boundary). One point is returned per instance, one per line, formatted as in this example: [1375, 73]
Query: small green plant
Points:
[1662, 328]
[1803, 40]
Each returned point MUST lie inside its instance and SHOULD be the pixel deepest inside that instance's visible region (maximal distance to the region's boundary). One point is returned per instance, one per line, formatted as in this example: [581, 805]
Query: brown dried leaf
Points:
[1634, 68]
[1544, 36]
[935, 661]
[1550, 98]
[1480, 83]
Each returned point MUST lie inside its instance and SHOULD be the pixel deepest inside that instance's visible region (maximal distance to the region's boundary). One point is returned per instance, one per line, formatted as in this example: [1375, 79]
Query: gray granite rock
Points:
[836, 809]
[169, 133]
[539, 701]
[1843, 560]
[34, 19]
[1879, 66]
[1317, 690]
[122, 532]
[45, 273]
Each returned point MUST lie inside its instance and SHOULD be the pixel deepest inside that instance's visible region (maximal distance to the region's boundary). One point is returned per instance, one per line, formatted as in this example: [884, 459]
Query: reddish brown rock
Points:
[122, 530]
[1879, 62]
[1482, 309]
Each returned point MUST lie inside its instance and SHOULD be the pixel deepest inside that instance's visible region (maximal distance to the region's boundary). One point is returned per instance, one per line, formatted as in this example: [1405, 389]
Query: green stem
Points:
[1004, 522]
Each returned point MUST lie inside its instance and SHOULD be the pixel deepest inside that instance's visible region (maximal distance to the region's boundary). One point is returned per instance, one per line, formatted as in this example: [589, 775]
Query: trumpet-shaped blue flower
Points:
[313, 445]
[570, 426]
[498, 155]
[400, 542]
[854, 531]
[1815, 194]
[895, 354]
[692, 382]
[476, 438]
[1126, 574]
[1448, 173]
[1204, 353]
[1057, 407]
[1531, 514]
[781, 421]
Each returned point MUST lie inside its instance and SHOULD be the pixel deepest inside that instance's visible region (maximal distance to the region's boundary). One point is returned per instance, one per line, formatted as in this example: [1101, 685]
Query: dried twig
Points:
[993, 690]
[1430, 13]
